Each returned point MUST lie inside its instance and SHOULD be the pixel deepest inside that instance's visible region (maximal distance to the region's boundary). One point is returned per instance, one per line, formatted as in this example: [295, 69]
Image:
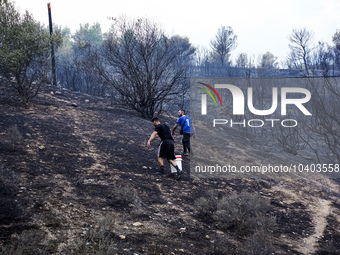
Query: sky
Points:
[261, 26]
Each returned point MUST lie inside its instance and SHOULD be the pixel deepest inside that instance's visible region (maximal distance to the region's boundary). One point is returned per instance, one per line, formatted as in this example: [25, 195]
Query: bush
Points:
[13, 137]
[206, 206]
[246, 214]
[10, 209]
[96, 241]
[125, 193]
[240, 212]
[28, 242]
[222, 246]
[25, 51]
[261, 241]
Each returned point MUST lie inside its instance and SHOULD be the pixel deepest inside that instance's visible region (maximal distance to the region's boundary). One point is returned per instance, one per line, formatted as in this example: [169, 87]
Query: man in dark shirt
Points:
[166, 148]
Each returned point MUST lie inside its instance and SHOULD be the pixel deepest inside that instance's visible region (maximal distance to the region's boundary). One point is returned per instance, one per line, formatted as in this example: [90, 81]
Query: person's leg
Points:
[160, 155]
[160, 161]
[186, 143]
[171, 157]
[179, 171]
[172, 162]
[161, 165]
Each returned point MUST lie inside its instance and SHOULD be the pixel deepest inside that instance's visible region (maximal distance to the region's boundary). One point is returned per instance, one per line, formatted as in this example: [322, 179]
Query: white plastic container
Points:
[178, 161]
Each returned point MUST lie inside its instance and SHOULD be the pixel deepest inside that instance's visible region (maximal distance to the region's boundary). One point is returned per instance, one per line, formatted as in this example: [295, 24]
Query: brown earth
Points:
[82, 169]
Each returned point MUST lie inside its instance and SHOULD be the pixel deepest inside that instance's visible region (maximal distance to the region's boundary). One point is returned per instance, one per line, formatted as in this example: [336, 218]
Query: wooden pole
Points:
[54, 77]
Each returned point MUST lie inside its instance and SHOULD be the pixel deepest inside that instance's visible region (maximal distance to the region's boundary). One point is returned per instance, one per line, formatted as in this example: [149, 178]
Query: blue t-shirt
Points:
[187, 123]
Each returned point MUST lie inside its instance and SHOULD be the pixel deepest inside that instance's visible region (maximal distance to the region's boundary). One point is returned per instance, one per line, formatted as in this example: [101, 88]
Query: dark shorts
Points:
[166, 149]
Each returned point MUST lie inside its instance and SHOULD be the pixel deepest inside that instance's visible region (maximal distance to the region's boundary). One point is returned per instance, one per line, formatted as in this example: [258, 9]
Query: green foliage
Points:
[89, 35]
[24, 51]
[75, 68]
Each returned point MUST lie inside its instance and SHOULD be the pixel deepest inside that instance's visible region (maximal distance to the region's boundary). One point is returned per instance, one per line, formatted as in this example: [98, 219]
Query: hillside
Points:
[81, 181]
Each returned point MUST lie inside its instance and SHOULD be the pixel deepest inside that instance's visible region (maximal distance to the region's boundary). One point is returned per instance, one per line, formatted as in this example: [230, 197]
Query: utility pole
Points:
[54, 77]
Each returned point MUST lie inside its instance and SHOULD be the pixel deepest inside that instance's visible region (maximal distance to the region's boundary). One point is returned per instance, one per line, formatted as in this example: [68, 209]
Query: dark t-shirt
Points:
[163, 131]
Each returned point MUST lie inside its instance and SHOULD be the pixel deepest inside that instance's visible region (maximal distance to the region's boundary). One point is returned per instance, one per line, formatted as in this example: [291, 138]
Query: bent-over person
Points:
[166, 148]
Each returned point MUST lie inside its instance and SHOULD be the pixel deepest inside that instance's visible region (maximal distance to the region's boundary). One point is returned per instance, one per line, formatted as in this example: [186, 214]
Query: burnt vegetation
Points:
[77, 178]
[81, 180]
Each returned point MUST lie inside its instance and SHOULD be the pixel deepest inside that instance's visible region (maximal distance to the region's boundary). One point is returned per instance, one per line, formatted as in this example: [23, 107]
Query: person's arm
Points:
[153, 135]
[173, 129]
[193, 127]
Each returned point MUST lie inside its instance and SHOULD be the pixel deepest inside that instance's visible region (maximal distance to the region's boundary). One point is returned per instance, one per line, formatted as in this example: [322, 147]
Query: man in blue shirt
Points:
[187, 129]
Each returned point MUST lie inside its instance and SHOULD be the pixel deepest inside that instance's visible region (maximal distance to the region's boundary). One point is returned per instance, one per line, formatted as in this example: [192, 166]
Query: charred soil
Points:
[80, 180]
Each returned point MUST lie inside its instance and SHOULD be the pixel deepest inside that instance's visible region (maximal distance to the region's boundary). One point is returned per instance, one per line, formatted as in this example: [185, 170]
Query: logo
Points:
[239, 99]
[292, 96]
[204, 97]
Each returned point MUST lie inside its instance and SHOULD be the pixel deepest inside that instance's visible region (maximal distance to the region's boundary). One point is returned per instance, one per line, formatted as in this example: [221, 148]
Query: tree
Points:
[67, 70]
[267, 65]
[225, 41]
[300, 49]
[268, 61]
[89, 35]
[144, 66]
[76, 70]
[24, 51]
[323, 59]
[336, 41]
[245, 65]
[242, 61]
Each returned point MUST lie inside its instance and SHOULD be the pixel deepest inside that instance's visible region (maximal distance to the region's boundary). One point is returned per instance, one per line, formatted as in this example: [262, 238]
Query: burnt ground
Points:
[81, 180]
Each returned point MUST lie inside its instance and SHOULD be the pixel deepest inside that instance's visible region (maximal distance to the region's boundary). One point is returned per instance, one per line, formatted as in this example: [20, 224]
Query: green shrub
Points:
[25, 51]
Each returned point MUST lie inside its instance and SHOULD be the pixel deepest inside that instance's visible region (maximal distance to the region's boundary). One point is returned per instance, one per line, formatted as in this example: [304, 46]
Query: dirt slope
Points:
[82, 179]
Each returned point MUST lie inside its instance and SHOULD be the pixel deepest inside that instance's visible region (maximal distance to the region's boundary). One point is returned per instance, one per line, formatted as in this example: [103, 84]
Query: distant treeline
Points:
[137, 64]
